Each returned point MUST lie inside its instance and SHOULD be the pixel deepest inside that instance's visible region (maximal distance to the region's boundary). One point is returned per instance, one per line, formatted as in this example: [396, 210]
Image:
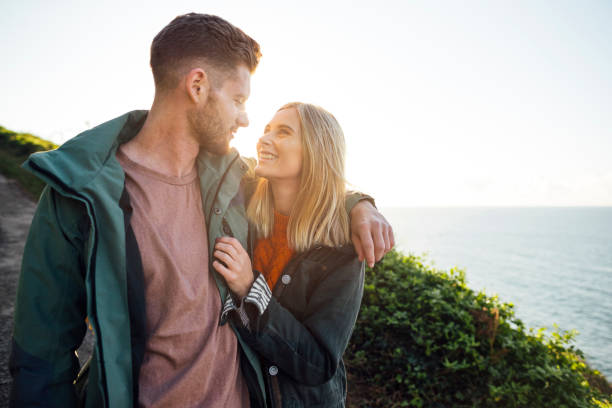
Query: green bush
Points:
[14, 150]
[424, 339]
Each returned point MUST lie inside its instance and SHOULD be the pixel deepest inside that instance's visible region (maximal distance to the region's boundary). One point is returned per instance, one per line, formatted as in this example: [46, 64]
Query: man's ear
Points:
[197, 84]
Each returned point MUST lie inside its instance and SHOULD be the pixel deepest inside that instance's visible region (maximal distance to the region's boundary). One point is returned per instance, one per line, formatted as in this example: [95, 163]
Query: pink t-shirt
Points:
[189, 360]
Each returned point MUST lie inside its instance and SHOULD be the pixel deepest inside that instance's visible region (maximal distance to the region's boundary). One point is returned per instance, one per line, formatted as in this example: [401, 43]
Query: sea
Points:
[553, 264]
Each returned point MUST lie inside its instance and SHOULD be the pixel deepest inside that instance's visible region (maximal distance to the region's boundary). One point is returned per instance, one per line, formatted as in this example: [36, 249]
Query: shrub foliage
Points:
[424, 339]
[14, 150]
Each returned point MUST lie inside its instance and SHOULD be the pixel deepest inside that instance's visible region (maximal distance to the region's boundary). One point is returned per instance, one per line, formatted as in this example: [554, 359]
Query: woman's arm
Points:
[309, 350]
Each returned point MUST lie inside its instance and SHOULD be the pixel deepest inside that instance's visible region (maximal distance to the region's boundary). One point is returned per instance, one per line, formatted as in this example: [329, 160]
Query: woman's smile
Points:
[266, 156]
[279, 150]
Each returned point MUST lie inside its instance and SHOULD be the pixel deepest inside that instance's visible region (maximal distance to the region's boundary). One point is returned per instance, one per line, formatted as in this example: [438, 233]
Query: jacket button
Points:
[273, 370]
[217, 211]
[286, 279]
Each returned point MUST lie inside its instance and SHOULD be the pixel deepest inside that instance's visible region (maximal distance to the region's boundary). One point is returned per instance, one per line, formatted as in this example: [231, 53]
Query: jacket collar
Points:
[81, 159]
[76, 163]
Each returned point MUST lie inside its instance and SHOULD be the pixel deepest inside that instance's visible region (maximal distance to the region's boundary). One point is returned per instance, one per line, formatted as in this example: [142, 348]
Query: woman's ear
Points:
[197, 85]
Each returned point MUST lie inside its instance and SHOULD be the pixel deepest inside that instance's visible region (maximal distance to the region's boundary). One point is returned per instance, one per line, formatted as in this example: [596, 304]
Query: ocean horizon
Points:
[553, 263]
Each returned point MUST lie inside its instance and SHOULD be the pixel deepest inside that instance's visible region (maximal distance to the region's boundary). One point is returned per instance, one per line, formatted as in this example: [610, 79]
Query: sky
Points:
[442, 103]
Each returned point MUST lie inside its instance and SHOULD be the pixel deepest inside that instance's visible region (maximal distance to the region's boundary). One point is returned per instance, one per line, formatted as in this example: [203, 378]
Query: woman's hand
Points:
[238, 273]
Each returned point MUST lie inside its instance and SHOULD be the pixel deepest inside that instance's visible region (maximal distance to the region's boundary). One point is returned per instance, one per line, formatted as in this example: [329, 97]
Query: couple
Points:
[120, 235]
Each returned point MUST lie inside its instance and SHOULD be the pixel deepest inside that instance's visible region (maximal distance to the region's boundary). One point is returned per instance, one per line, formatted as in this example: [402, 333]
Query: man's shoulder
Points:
[79, 159]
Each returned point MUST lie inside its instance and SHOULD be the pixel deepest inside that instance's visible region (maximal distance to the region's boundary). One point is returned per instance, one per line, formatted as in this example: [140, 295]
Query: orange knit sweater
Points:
[272, 254]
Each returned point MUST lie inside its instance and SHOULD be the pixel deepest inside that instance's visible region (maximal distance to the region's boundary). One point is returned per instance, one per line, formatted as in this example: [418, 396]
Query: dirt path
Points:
[16, 211]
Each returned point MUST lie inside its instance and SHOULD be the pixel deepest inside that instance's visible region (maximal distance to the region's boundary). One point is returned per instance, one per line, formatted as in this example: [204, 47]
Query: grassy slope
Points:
[14, 150]
[425, 339]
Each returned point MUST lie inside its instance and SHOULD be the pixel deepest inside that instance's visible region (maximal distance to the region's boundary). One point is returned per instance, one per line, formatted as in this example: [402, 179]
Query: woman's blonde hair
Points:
[318, 216]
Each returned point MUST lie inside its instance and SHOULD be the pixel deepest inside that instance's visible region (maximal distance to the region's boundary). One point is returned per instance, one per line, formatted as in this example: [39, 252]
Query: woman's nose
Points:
[264, 139]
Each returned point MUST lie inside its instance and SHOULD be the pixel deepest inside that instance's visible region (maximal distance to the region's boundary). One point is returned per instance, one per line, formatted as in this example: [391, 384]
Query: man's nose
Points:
[243, 119]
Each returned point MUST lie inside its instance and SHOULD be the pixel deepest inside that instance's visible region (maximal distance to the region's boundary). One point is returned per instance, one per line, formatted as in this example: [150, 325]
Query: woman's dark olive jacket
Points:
[306, 326]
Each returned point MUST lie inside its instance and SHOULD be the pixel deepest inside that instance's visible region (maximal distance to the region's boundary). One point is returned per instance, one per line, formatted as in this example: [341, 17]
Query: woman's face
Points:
[279, 150]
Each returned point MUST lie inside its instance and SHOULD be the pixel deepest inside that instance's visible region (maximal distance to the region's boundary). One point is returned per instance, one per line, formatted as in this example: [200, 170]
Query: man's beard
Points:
[209, 129]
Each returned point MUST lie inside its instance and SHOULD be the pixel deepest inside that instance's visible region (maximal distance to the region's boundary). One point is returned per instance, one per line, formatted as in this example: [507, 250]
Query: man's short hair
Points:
[200, 37]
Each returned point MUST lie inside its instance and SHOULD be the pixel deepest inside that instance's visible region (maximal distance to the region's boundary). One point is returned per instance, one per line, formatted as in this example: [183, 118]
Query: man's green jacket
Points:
[81, 260]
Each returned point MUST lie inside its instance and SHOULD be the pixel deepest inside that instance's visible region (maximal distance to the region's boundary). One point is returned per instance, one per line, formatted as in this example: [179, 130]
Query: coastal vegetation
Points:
[14, 150]
[424, 339]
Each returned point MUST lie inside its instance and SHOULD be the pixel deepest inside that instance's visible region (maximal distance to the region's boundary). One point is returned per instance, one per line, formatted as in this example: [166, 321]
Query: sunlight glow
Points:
[504, 103]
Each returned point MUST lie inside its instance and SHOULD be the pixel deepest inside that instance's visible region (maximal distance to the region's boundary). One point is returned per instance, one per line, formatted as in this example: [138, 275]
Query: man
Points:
[120, 233]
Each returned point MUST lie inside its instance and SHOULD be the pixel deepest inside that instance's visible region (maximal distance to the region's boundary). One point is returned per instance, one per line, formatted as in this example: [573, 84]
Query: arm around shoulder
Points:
[371, 233]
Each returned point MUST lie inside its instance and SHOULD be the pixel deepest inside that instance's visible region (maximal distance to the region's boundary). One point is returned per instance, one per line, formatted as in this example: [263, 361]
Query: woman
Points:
[298, 303]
